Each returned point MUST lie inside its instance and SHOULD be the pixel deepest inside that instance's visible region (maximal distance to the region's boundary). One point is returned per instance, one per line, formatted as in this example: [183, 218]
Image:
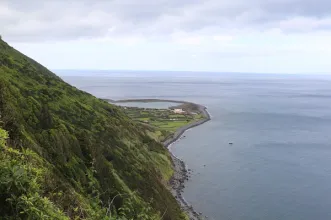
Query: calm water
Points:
[159, 105]
[279, 166]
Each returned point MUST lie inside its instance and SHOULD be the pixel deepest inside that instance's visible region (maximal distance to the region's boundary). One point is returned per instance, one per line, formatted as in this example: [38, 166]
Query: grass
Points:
[164, 122]
[91, 152]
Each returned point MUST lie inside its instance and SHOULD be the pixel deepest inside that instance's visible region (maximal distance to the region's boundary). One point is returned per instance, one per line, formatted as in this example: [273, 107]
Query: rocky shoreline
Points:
[177, 182]
[181, 174]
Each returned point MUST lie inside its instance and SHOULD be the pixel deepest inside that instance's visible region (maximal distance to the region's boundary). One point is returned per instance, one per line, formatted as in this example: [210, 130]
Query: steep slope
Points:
[93, 160]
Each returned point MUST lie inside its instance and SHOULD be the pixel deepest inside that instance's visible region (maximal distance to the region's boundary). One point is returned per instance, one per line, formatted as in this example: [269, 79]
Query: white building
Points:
[178, 111]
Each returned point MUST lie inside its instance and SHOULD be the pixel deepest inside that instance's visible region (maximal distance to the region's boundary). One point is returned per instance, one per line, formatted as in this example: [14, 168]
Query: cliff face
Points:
[90, 160]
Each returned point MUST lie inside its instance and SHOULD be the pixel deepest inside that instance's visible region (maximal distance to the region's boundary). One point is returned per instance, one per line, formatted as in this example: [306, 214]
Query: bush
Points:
[20, 185]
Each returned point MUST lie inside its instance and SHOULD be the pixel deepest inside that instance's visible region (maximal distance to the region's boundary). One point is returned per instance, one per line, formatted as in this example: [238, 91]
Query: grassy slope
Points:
[93, 151]
[160, 126]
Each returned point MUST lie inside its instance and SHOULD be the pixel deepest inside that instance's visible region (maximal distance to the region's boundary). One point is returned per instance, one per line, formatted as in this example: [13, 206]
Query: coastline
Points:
[180, 131]
[181, 173]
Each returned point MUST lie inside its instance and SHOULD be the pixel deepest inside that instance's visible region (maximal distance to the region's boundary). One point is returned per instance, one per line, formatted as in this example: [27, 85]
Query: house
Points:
[178, 111]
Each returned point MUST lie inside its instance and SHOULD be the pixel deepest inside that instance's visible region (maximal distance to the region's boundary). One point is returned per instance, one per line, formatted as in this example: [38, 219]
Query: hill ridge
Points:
[93, 152]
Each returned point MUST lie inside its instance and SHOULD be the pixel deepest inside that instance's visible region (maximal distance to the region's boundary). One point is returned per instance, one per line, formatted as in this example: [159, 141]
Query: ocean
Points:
[279, 165]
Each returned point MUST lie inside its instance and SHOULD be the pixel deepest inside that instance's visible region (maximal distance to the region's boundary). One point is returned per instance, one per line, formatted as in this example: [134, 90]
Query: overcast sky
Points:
[280, 36]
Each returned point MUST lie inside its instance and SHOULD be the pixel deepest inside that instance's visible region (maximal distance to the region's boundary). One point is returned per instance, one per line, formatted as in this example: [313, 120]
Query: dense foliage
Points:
[69, 155]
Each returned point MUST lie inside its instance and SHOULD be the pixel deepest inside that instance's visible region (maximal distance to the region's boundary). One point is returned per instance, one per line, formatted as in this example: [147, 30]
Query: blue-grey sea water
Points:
[279, 165]
[158, 105]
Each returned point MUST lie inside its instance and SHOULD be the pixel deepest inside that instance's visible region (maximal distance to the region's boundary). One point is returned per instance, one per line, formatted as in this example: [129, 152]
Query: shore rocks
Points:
[178, 184]
[181, 175]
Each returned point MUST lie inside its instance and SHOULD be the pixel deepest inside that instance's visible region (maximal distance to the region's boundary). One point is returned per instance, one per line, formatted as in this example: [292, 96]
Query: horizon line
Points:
[192, 71]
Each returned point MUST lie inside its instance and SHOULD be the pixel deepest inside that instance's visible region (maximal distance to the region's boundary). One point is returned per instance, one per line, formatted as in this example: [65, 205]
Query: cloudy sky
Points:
[279, 36]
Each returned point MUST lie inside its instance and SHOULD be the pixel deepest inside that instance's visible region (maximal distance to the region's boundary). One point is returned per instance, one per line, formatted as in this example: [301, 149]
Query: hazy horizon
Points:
[165, 73]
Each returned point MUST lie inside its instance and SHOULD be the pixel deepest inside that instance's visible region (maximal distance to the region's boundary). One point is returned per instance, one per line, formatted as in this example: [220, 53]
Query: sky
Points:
[260, 36]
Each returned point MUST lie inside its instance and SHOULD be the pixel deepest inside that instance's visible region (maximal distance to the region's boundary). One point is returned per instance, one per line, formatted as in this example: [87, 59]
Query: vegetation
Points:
[68, 155]
[162, 123]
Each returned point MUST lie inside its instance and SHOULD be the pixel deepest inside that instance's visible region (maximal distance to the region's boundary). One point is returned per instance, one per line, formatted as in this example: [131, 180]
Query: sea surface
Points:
[157, 105]
[279, 165]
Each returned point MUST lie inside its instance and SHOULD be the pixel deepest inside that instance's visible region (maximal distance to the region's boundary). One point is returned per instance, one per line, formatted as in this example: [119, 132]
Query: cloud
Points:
[55, 20]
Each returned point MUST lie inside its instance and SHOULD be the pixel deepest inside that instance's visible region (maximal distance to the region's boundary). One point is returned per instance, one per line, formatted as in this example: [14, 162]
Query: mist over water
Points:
[279, 166]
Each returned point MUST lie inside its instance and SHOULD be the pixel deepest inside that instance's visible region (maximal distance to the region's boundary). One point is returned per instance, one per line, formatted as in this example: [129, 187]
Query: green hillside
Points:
[69, 155]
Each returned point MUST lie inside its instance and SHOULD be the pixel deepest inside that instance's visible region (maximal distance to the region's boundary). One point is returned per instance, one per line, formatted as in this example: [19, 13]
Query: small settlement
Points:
[178, 111]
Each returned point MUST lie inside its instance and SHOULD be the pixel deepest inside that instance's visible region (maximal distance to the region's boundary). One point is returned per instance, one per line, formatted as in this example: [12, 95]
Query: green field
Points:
[164, 122]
